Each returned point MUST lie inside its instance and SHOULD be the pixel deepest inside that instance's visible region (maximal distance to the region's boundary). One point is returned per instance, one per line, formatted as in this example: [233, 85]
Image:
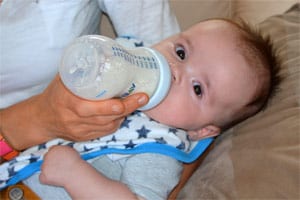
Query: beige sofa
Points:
[259, 158]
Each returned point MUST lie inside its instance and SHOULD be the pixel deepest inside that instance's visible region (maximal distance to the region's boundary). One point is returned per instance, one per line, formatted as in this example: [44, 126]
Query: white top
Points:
[33, 34]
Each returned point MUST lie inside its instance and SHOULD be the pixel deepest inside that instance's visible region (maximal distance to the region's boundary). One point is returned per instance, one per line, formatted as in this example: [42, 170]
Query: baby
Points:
[222, 73]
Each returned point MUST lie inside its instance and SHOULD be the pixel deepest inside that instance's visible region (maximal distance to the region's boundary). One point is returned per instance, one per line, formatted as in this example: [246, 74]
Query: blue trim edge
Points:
[171, 151]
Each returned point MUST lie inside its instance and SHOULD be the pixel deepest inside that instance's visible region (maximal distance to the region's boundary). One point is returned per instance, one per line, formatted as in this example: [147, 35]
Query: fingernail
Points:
[116, 108]
[142, 100]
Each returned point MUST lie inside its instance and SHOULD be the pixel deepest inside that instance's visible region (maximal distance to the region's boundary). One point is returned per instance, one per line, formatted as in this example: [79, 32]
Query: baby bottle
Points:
[95, 67]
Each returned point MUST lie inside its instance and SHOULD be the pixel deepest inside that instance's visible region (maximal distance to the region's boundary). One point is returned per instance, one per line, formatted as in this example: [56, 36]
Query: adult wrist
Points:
[16, 126]
[7, 152]
[4, 131]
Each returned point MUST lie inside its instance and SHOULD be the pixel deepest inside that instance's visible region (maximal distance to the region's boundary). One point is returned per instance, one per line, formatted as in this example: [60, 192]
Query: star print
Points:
[188, 138]
[143, 132]
[11, 171]
[173, 130]
[181, 146]
[137, 113]
[13, 161]
[33, 159]
[71, 144]
[125, 123]
[103, 147]
[140, 44]
[113, 139]
[129, 145]
[85, 148]
[42, 146]
[160, 140]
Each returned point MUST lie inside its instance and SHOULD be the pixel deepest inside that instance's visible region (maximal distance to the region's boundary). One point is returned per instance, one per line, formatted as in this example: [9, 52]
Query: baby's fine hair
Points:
[260, 53]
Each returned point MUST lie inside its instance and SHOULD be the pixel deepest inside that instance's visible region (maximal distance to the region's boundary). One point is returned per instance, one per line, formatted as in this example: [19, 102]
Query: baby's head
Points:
[222, 73]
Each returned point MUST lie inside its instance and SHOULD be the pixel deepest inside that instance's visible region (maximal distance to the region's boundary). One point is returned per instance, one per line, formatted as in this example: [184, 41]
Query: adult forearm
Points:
[18, 125]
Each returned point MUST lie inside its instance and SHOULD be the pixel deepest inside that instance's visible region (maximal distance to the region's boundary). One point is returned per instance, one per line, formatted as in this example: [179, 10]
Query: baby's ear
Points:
[205, 132]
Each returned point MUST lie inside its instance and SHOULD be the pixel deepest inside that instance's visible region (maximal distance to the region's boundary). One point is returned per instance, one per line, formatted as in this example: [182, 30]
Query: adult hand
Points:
[58, 113]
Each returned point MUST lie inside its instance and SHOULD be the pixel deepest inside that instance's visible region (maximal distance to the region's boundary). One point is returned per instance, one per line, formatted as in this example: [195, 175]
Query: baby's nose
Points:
[175, 72]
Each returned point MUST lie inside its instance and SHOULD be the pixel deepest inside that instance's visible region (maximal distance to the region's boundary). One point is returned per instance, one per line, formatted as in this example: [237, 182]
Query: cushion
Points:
[260, 158]
[189, 12]
[256, 11]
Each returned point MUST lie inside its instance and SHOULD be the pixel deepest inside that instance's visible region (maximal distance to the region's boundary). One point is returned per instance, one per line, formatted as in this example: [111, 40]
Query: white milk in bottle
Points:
[95, 67]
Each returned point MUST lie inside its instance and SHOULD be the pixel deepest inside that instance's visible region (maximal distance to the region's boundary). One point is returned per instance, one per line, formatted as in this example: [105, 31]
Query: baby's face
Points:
[210, 78]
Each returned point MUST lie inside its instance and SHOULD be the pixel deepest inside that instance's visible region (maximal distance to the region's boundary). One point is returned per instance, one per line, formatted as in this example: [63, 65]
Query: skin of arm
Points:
[63, 167]
[58, 113]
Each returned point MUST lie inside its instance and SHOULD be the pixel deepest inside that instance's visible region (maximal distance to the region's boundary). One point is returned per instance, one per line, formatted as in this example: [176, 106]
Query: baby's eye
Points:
[180, 52]
[197, 89]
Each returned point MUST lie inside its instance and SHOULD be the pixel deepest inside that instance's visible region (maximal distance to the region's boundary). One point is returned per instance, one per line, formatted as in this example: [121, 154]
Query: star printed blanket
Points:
[137, 134]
